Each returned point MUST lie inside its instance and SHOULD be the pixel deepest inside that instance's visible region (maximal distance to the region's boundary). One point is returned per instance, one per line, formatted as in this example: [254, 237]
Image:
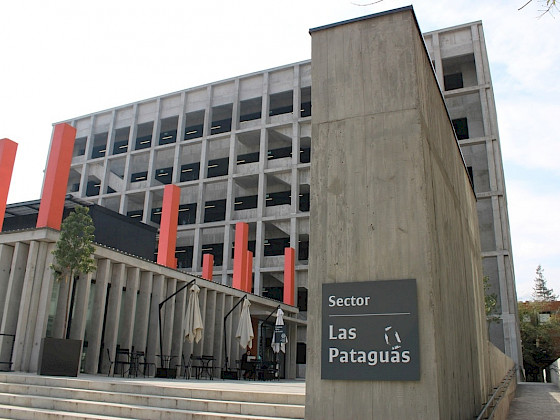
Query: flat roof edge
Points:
[344, 22]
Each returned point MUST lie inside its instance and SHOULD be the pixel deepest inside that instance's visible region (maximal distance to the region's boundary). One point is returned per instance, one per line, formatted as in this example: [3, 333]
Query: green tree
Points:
[540, 338]
[74, 249]
[490, 302]
[541, 293]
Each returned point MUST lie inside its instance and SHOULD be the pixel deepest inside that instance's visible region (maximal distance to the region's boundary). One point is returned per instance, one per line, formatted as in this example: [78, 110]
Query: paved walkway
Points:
[534, 400]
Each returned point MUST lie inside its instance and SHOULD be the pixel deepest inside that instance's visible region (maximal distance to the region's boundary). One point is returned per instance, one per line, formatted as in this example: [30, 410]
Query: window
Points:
[247, 158]
[135, 214]
[184, 255]
[303, 250]
[121, 141]
[214, 211]
[217, 167]
[99, 145]
[168, 132]
[139, 176]
[144, 136]
[164, 175]
[453, 81]
[305, 109]
[275, 246]
[278, 198]
[250, 109]
[156, 215]
[194, 124]
[302, 299]
[221, 119]
[280, 153]
[304, 202]
[281, 103]
[243, 203]
[305, 155]
[187, 214]
[217, 250]
[190, 171]
[93, 188]
[461, 128]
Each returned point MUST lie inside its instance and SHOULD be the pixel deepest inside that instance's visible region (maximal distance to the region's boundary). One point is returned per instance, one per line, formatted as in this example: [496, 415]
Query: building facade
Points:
[240, 150]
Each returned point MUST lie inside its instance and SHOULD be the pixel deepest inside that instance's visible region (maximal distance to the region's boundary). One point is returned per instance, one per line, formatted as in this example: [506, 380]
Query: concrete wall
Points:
[392, 200]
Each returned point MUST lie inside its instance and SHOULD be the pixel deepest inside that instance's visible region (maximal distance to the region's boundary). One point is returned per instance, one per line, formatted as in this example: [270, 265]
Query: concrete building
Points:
[240, 150]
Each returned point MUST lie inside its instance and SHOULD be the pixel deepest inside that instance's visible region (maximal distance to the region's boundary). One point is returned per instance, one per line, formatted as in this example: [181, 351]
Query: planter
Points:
[169, 373]
[59, 357]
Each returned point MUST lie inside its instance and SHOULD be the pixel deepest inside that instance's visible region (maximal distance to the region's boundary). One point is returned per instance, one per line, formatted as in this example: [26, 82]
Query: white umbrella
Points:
[193, 318]
[277, 346]
[245, 329]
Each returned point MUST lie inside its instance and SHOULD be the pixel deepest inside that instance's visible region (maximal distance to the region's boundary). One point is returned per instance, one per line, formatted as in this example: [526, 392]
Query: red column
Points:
[168, 226]
[289, 276]
[56, 177]
[8, 150]
[207, 266]
[239, 255]
[249, 272]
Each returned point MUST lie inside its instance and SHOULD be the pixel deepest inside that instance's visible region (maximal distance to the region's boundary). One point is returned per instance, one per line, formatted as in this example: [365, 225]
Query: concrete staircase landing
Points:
[30, 396]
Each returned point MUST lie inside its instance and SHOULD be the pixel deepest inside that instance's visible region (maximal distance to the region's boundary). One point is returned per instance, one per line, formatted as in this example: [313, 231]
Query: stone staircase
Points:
[30, 396]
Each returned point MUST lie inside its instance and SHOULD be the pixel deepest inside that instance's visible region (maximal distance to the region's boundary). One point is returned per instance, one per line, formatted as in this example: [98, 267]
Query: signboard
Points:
[370, 331]
[280, 334]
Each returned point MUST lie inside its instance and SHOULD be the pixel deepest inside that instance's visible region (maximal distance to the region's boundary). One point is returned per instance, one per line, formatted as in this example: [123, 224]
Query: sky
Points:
[60, 59]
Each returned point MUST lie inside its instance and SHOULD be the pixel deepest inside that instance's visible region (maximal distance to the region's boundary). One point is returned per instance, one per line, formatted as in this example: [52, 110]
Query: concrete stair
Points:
[30, 396]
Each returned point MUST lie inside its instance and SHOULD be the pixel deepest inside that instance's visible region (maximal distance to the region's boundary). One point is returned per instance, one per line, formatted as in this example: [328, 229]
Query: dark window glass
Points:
[214, 211]
[139, 176]
[304, 202]
[303, 250]
[247, 158]
[164, 175]
[280, 153]
[135, 214]
[470, 173]
[156, 215]
[217, 167]
[217, 250]
[143, 142]
[250, 247]
[461, 128]
[302, 299]
[305, 108]
[278, 198]
[301, 357]
[120, 147]
[184, 255]
[194, 124]
[187, 214]
[453, 81]
[305, 155]
[281, 103]
[93, 188]
[247, 202]
[250, 109]
[190, 171]
[275, 246]
[168, 137]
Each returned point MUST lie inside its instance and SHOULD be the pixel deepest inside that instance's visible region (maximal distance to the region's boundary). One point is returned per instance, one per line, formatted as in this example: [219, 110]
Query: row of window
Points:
[272, 247]
[221, 122]
[215, 211]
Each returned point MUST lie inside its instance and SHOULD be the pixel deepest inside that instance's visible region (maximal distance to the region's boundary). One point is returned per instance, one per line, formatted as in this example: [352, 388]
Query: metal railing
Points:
[487, 412]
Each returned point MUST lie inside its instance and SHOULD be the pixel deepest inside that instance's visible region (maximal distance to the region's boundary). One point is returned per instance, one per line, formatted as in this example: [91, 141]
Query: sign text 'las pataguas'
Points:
[370, 331]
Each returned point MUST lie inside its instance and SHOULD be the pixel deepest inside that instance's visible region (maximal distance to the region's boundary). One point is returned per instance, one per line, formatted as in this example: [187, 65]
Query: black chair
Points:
[122, 359]
[185, 367]
[142, 364]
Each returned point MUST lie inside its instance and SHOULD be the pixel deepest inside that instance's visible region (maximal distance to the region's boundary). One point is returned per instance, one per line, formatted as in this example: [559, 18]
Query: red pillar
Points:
[168, 226]
[8, 150]
[207, 266]
[249, 272]
[289, 276]
[239, 255]
[56, 177]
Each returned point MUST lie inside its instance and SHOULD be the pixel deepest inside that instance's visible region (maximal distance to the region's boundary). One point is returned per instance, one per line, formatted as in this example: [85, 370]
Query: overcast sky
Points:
[60, 59]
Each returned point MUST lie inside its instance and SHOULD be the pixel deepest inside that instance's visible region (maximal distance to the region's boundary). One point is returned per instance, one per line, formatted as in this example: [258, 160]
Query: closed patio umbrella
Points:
[279, 338]
[245, 329]
[193, 318]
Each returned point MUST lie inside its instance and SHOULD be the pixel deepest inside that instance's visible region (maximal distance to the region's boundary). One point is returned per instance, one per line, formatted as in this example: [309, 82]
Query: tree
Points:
[490, 302]
[540, 338]
[541, 293]
[547, 6]
[74, 249]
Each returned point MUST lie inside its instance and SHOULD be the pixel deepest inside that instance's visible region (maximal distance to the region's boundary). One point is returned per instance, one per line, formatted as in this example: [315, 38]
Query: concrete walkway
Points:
[534, 400]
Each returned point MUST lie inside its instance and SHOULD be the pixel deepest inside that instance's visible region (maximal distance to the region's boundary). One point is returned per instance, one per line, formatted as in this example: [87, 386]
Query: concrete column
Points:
[6, 254]
[81, 301]
[103, 274]
[13, 297]
[56, 177]
[228, 331]
[46, 280]
[167, 314]
[8, 151]
[34, 317]
[178, 334]
[23, 318]
[129, 310]
[210, 325]
[118, 278]
[218, 335]
[140, 336]
[248, 284]
[153, 348]
[64, 287]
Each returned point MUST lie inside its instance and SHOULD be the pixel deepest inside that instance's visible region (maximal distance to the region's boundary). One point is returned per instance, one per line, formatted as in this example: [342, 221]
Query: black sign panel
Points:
[370, 331]
[280, 334]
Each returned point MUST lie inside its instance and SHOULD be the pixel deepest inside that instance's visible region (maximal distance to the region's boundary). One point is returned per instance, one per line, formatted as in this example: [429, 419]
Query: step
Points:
[25, 413]
[139, 399]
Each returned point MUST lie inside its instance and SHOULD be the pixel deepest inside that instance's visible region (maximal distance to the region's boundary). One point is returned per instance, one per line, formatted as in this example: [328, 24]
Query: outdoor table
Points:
[205, 361]
[165, 360]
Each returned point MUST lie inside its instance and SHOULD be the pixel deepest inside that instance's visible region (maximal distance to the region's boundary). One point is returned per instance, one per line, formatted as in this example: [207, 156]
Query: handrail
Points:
[497, 396]
[160, 328]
